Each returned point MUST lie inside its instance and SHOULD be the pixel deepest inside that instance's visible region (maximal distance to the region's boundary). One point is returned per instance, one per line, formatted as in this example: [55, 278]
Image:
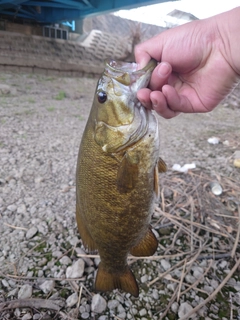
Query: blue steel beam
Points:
[69, 5]
[64, 10]
[14, 2]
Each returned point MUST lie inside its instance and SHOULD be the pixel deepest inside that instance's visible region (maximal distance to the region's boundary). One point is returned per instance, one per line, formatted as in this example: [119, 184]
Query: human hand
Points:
[196, 70]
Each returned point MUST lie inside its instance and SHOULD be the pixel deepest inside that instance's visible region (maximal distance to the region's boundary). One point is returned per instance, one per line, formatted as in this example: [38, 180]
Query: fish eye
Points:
[102, 96]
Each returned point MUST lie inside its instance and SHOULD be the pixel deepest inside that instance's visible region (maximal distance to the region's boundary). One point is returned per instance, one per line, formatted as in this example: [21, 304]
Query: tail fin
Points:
[106, 281]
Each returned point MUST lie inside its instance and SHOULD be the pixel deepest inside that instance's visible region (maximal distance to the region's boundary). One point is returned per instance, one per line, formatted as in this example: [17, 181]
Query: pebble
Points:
[142, 312]
[85, 315]
[25, 291]
[82, 308]
[43, 228]
[27, 316]
[21, 209]
[99, 304]
[197, 272]
[57, 253]
[190, 279]
[184, 309]
[122, 315]
[65, 260]
[208, 289]
[47, 286]
[120, 309]
[223, 264]
[72, 300]
[42, 262]
[165, 264]
[76, 270]
[171, 286]
[12, 293]
[112, 304]
[144, 278]
[31, 232]
[12, 207]
[155, 294]
[174, 307]
[5, 283]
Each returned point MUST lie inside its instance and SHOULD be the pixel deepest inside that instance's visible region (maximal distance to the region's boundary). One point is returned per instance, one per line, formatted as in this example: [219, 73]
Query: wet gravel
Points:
[41, 122]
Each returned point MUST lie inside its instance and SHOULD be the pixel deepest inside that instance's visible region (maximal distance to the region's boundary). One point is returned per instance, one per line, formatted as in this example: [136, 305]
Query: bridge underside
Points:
[55, 11]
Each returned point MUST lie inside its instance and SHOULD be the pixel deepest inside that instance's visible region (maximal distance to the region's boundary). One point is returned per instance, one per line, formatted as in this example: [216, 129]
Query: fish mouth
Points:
[127, 72]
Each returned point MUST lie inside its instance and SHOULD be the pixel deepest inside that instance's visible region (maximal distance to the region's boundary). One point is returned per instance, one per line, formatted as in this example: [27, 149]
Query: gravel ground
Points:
[44, 271]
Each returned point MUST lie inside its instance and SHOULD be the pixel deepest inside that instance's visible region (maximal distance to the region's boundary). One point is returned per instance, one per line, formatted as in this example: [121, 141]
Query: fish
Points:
[117, 175]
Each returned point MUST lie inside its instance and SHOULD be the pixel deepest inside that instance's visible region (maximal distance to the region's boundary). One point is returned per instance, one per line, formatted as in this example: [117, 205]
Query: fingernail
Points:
[154, 103]
[142, 64]
[163, 69]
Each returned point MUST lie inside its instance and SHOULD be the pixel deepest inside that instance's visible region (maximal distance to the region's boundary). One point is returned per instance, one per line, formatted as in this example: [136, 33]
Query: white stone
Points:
[197, 272]
[85, 315]
[112, 304]
[184, 309]
[72, 300]
[65, 260]
[76, 270]
[165, 264]
[12, 207]
[25, 292]
[122, 315]
[223, 264]
[47, 286]
[27, 316]
[99, 304]
[174, 307]
[31, 232]
[142, 312]
[21, 209]
[43, 227]
[155, 294]
[190, 279]
[208, 289]
[144, 278]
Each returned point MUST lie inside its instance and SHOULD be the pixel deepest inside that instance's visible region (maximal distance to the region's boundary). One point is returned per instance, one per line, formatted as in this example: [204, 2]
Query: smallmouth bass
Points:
[117, 175]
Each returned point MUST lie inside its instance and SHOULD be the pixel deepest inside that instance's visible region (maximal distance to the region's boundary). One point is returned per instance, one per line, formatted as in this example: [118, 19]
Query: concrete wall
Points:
[27, 53]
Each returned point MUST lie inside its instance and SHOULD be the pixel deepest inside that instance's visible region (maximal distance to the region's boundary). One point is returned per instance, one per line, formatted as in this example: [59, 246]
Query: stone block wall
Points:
[20, 52]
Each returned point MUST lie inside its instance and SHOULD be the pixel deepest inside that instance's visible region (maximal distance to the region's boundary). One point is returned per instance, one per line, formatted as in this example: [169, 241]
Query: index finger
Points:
[144, 51]
[142, 58]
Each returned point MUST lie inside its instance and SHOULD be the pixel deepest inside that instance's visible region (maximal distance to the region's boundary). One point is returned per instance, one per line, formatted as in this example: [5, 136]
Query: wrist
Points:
[228, 25]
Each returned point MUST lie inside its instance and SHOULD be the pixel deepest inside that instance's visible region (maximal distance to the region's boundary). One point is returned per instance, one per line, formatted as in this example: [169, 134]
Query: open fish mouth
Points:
[127, 72]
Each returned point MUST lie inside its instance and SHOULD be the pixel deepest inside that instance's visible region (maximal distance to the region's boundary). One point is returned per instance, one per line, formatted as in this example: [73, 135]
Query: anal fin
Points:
[147, 246]
[88, 241]
[106, 281]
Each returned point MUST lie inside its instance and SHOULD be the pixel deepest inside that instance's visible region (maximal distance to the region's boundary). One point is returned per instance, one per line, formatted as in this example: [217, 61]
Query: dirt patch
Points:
[41, 123]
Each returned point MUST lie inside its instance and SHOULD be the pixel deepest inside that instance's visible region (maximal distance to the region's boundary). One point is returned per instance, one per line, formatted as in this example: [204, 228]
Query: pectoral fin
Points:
[147, 246]
[156, 182]
[106, 281]
[87, 240]
[127, 175]
[162, 167]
